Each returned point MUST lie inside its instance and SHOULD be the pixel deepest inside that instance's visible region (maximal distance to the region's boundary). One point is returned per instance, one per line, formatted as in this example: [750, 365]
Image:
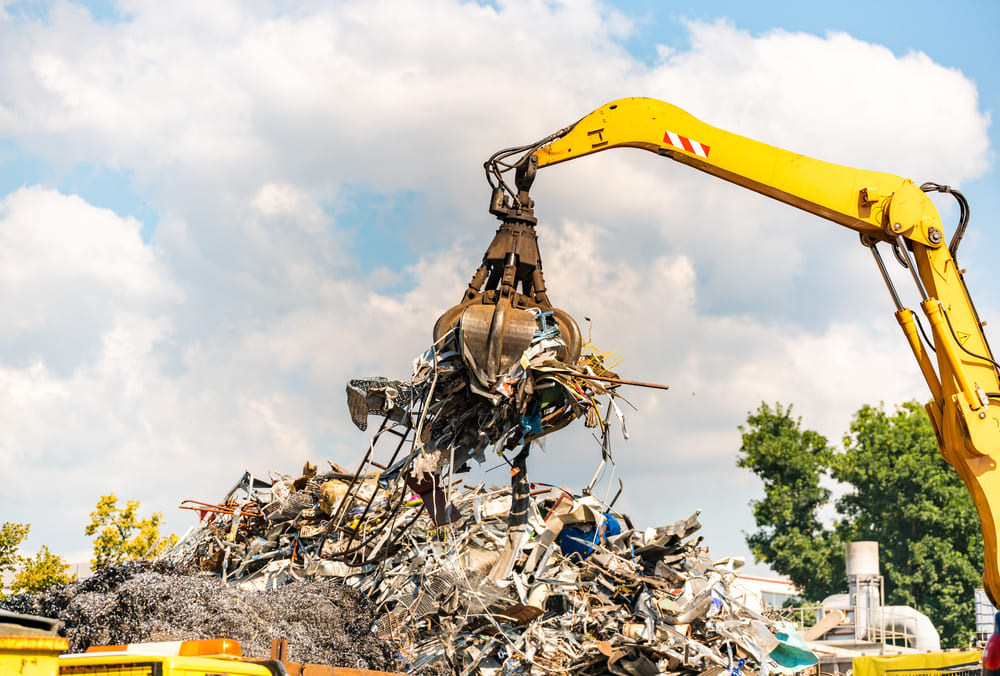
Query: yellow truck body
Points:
[205, 657]
[128, 664]
[29, 645]
[920, 664]
[30, 655]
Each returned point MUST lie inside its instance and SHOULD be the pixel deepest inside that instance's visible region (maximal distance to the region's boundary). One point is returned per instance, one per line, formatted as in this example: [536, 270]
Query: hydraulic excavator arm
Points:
[961, 374]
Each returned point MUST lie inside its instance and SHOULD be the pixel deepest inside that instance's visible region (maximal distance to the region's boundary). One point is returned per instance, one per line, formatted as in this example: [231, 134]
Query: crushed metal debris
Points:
[325, 622]
[580, 590]
[486, 580]
[454, 411]
[472, 580]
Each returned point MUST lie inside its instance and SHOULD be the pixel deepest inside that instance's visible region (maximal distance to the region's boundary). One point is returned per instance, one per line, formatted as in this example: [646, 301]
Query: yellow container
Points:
[23, 655]
[137, 664]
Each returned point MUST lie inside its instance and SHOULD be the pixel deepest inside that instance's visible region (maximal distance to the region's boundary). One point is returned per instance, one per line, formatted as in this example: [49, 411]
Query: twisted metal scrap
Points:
[578, 597]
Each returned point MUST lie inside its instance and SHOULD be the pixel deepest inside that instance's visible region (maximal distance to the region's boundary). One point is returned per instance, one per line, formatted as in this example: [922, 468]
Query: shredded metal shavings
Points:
[324, 622]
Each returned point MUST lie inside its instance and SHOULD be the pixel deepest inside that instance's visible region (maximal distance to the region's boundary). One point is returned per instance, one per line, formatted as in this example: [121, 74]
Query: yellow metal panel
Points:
[223, 667]
[145, 668]
[30, 655]
[102, 664]
[927, 664]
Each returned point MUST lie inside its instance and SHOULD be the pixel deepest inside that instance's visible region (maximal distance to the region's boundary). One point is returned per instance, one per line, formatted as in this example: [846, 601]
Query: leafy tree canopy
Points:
[898, 491]
[791, 537]
[11, 537]
[31, 574]
[122, 535]
[39, 573]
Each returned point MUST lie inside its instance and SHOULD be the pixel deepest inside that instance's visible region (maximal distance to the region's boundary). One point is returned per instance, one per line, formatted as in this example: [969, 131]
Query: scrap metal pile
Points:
[494, 580]
[581, 591]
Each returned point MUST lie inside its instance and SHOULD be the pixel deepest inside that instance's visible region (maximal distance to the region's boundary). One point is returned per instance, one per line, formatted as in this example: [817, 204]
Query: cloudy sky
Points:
[212, 215]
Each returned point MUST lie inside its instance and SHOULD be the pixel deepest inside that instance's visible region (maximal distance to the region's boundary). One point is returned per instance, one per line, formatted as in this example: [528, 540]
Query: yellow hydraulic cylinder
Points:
[906, 321]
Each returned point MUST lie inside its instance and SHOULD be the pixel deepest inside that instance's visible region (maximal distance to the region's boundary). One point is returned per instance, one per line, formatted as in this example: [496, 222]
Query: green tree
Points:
[898, 492]
[41, 572]
[122, 535]
[11, 537]
[907, 498]
[791, 538]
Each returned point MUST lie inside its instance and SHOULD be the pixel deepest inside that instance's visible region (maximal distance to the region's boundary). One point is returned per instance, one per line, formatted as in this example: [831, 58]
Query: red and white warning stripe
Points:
[684, 143]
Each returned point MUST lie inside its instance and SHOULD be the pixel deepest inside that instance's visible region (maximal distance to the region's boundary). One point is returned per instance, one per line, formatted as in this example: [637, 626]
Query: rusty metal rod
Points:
[618, 381]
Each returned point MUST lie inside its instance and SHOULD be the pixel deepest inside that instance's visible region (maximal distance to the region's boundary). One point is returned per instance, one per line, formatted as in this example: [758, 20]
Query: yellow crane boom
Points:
[963, 381]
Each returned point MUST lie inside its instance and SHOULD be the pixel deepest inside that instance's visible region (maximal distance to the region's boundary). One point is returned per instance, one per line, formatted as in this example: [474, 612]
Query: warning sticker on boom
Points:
[684, 143]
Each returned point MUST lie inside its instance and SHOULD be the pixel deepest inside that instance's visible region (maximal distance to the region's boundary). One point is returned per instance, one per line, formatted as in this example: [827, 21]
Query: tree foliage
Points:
[897, 491]
[122, 535]
[39, 573]
[909, 500]
[31, 574]
[11, 537]
[791, 462]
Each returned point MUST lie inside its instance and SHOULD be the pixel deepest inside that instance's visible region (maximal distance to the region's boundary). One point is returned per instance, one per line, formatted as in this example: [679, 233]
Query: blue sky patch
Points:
[18, 170]
[99, 186]
[386, 229]
[28, 10]
[110, 189]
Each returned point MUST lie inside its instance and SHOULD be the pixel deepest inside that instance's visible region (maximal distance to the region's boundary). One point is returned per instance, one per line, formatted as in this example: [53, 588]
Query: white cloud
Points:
[48, 238]
[288, 201]
[225, 342]
[834, 97]
[66, 270]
